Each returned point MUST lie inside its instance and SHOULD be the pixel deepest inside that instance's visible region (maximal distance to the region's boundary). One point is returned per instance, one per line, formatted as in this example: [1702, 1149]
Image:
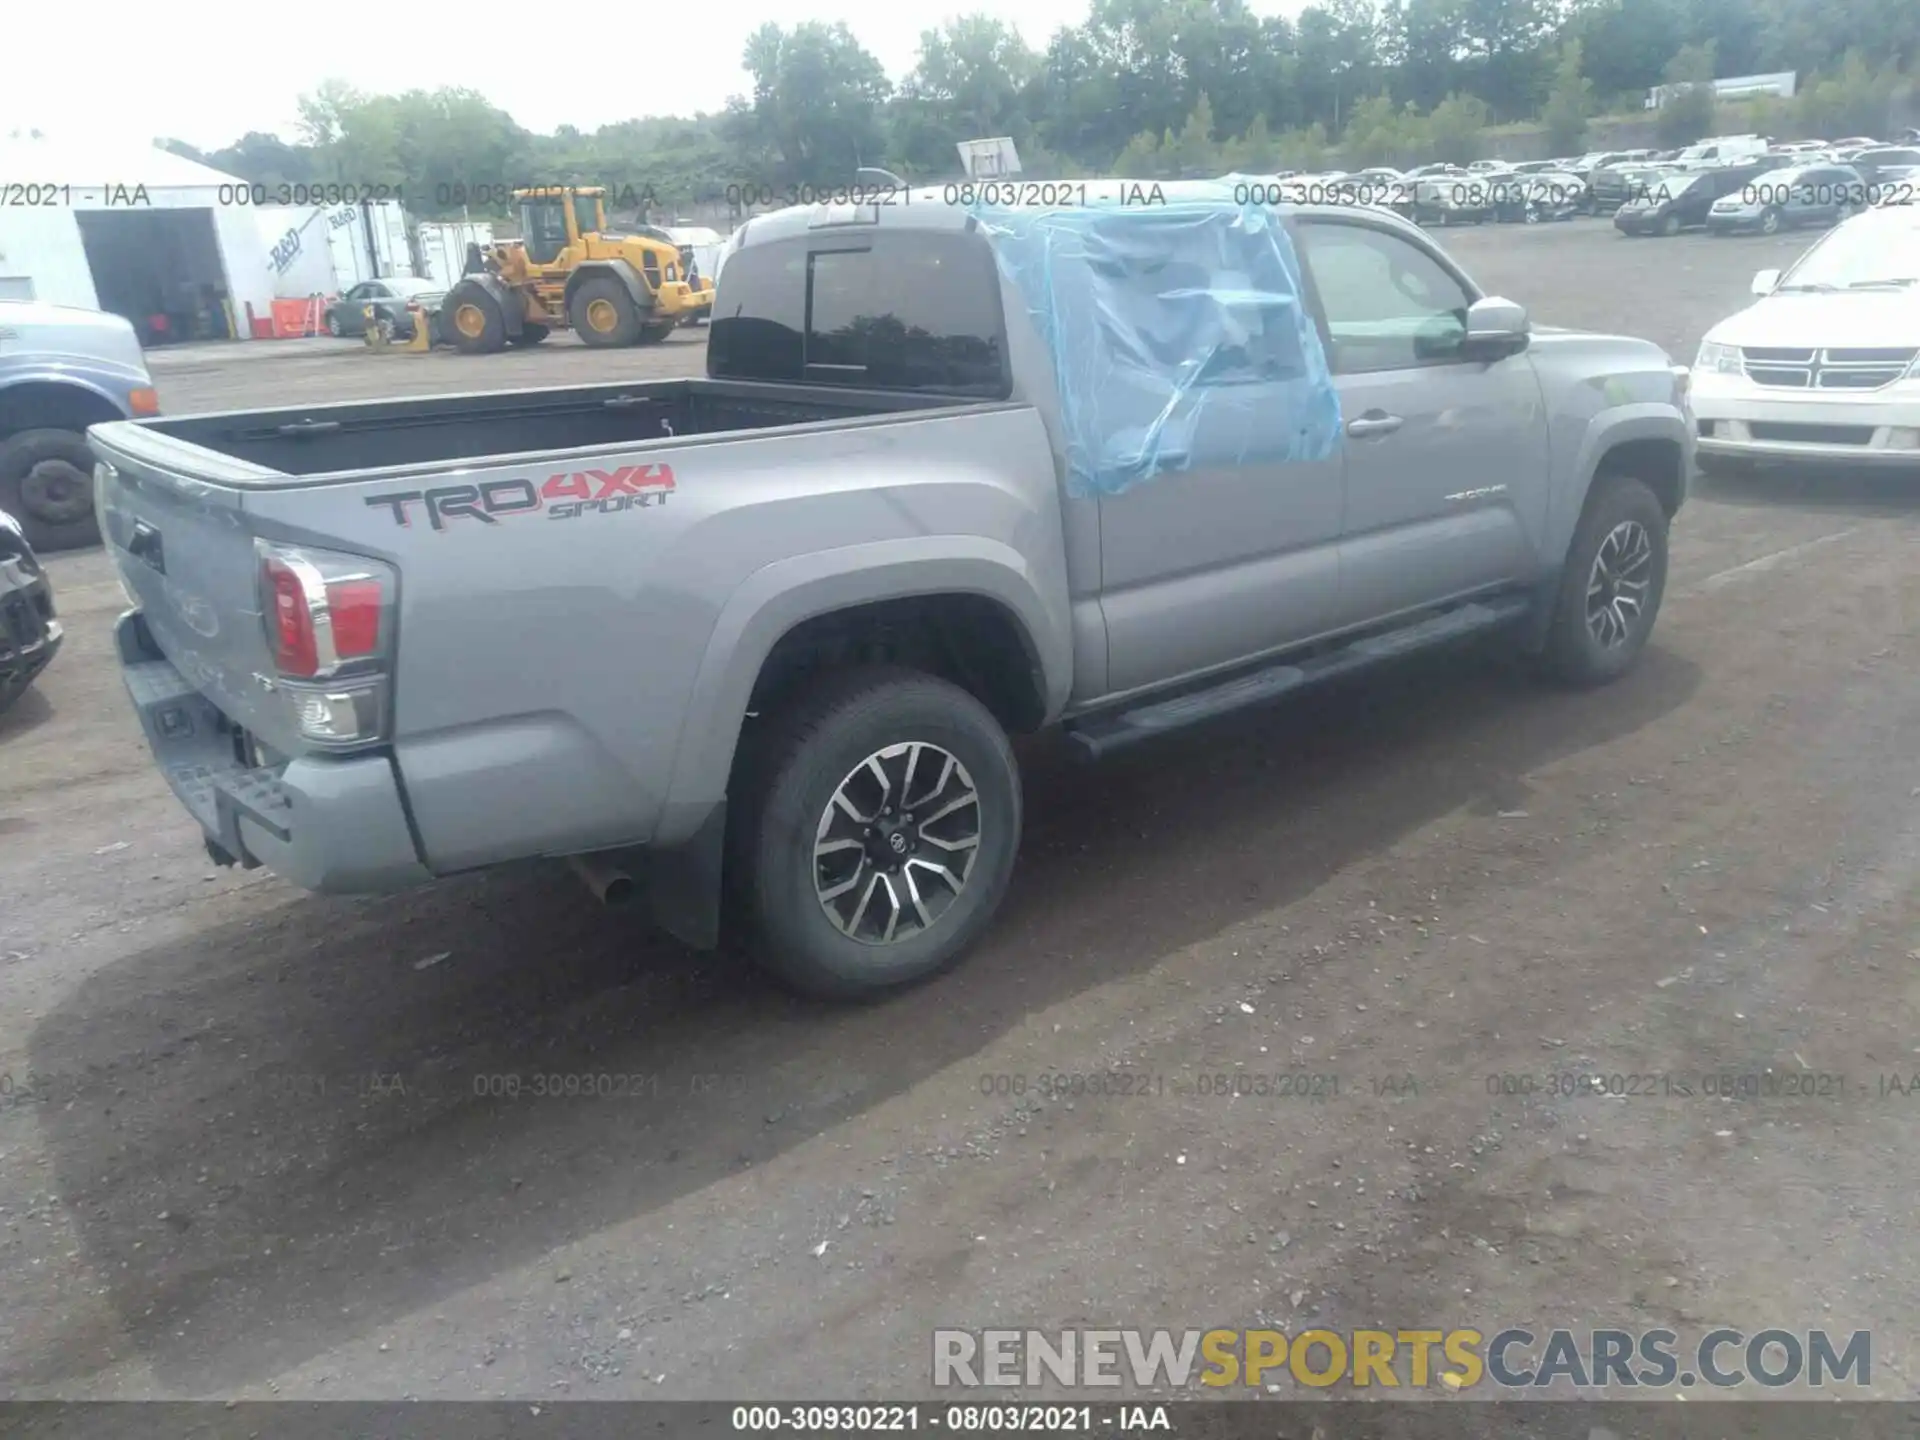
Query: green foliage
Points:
[1569, 103]
[1857, 100]
[1379, 133]
[1454, 129]
[1687, 115]
[1304, 149]
[1254, 153]
[1149, 89]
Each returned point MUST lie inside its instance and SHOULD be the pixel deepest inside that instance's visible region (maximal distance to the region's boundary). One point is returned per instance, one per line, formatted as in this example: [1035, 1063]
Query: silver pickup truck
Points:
[1119, 465]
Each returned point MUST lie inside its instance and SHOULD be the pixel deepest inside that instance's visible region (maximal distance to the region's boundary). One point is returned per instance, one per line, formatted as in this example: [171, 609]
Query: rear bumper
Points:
[329, 824]
[29, 635]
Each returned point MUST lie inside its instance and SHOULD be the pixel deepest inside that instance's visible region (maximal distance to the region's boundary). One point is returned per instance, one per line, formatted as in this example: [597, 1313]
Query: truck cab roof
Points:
[946, 207]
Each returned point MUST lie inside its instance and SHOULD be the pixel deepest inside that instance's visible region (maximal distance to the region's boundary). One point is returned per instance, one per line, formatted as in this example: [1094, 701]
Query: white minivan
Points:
[1721, 148]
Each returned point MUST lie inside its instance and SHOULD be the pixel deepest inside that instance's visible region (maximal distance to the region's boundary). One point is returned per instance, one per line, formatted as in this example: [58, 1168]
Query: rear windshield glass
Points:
[905, 311]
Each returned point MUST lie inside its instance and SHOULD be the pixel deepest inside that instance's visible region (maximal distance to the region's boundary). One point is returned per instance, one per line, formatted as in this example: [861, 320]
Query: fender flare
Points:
[1646, 420]
[67, 379]
[621, 270]
[1614, 427]
[773, 600]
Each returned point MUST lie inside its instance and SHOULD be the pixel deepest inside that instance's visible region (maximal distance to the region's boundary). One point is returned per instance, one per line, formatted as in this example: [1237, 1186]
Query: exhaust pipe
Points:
[610, 884]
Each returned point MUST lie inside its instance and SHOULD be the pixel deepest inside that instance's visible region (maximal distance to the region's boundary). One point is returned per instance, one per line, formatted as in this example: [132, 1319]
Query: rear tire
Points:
[603, 314]
[471, 321]
[820, 884]
[1611, 585]
[46, 483]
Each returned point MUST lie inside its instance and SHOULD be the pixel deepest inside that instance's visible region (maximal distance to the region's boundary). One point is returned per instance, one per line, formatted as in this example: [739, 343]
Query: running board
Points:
[1100, 735]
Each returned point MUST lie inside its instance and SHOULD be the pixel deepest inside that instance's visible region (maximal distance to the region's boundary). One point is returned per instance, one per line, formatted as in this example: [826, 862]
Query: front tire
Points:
[471, 320]
[531, 333]
[1611, 585]
[1670, 226]
[849, 892]
[46, 483]
[603, 314]
[1770, 222]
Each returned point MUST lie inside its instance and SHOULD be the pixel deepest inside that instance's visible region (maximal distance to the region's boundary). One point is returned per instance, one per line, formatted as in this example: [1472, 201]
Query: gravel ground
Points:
[246, 1147]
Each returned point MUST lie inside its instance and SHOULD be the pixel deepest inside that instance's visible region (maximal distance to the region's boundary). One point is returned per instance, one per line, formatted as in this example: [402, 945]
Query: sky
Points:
[215, 69]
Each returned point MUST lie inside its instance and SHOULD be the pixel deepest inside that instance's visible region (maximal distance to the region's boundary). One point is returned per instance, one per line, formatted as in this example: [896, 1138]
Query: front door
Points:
[1446, 458]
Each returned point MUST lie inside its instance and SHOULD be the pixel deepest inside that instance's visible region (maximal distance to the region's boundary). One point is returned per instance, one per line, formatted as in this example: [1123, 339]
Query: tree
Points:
[1858, 100]
[817, 97]
[1624, 45]
[1688, 112]
[970, 83]
[1193, 153]
[1165, 85]
[1455, 128]
[1304, 149]
[1141, 160]
[1569, 103]
[1252, 153]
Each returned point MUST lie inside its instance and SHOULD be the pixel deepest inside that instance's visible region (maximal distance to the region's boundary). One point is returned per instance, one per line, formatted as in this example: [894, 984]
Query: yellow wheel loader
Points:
[568, 271]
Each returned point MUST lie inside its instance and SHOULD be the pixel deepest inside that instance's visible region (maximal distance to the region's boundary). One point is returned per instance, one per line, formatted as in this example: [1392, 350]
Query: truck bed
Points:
[328, 440]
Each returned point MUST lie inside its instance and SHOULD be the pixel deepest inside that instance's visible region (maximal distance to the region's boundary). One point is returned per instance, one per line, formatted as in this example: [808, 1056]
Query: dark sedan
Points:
[1684, 200]
[390, 299]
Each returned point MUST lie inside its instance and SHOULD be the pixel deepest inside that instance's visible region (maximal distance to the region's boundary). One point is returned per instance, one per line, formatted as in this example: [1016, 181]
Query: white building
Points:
[132, 229]
[1735, 87]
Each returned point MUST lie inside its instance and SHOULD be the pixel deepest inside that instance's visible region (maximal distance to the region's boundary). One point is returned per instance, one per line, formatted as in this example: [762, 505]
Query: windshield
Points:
[1856, 256]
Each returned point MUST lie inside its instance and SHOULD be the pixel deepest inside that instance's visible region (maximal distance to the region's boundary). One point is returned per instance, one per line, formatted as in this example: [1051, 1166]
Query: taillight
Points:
[319, 625]
[289, 621]
[328, 619]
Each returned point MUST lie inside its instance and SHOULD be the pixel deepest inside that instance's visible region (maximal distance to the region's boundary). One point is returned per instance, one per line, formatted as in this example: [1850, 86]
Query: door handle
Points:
[1368, 426]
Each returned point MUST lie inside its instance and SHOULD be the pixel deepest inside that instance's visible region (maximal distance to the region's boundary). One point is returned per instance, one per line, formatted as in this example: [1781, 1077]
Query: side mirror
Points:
[1766, 282]
[1496, 328]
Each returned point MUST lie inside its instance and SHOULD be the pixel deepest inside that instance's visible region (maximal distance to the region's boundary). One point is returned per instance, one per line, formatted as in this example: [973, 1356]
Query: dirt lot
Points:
[242, 1150]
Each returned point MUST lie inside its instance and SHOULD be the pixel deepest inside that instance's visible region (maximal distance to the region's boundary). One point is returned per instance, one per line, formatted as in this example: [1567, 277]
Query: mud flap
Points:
[683, 884]
[1546, 595]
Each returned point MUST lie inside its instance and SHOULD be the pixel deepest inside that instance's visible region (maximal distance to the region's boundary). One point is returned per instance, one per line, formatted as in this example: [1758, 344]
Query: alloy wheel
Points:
[896, 843]
[1618, 583]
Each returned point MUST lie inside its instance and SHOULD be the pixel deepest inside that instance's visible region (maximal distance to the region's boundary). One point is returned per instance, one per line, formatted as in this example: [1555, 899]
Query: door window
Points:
[1388, 303]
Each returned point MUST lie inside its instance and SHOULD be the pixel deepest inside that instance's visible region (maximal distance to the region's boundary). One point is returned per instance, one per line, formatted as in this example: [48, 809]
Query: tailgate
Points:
[180, 540]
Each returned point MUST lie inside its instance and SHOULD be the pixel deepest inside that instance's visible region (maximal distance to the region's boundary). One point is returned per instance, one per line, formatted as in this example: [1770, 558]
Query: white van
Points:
[1722, 148]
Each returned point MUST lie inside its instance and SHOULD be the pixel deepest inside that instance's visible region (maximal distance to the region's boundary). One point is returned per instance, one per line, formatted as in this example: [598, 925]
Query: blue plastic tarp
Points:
[1179, 334]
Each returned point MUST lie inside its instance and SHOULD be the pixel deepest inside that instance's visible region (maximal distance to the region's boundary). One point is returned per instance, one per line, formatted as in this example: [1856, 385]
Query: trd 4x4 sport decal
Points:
[562, 497]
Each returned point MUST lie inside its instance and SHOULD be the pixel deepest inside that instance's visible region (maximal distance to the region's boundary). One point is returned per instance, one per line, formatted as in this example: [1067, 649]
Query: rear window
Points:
[905, 311]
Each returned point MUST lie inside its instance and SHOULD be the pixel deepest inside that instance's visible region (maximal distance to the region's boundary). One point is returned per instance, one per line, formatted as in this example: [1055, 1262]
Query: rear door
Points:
[1235, 555]
[1446, 457]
